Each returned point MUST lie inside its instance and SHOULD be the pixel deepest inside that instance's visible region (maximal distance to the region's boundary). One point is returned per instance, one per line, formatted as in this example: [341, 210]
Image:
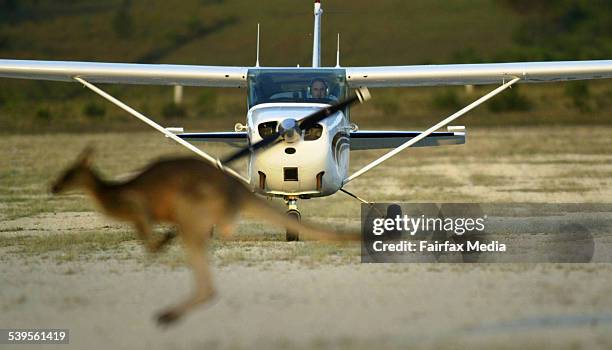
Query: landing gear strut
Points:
[292, 213]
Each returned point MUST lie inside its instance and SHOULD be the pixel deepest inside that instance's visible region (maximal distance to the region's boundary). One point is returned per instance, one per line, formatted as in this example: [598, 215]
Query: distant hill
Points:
[216, 32]
[223, 32]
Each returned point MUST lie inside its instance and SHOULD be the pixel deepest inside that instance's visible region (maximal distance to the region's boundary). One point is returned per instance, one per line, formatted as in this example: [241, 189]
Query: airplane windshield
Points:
[296, 85]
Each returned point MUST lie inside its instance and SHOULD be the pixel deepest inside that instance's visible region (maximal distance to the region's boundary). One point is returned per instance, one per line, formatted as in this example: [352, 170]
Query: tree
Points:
[122, 22]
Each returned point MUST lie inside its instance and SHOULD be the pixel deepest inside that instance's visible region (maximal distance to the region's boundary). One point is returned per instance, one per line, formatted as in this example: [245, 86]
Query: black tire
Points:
[293, 236]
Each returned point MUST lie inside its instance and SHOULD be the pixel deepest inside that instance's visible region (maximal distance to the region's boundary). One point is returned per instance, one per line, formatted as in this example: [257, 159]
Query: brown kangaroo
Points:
[190, 193]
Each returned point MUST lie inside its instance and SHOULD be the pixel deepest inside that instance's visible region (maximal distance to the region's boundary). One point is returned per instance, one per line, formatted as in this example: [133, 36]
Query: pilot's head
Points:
[318, 88]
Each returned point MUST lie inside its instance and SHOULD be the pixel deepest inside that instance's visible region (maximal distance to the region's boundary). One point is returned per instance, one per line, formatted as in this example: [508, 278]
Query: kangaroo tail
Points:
[266, 211]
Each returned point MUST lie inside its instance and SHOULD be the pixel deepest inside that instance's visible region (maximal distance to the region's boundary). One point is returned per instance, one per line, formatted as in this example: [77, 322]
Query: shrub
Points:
[172, 110]
[94, 110]
[467, 55]
[579, 93]
[9, 5]
[446, 99]
[387, 102]
[43, 113]
[195, 25]
[122, 21]
[5, 42]
[510, 100]
[206, 102]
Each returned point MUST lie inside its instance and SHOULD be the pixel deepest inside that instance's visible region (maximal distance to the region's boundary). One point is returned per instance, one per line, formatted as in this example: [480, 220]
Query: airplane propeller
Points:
[290, 130]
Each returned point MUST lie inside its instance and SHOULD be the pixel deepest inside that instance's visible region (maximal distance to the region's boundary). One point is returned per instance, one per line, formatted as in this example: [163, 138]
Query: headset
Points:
[324, 84]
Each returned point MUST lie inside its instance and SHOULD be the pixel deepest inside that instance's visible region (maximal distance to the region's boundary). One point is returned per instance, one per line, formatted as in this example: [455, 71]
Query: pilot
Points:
[319, 88]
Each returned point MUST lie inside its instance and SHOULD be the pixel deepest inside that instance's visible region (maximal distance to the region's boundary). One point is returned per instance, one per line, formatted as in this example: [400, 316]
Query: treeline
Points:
[563, 29]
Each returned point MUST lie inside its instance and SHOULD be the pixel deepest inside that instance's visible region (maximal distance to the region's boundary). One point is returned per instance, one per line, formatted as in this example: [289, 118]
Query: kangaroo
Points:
[191, 194]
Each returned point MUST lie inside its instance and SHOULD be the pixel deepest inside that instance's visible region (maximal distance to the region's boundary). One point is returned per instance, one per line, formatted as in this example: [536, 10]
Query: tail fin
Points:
[316, 35]
[271, 214]
[257, 59]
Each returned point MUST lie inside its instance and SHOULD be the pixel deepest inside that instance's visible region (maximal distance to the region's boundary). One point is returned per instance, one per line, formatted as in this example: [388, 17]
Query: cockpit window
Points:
[267, 129]
[296, 85]
[313, 133]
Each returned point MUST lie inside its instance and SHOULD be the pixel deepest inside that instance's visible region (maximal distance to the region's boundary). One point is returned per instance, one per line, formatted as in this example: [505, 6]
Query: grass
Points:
[102, 246]
[65, 247]
[489, 180]
[562, 164]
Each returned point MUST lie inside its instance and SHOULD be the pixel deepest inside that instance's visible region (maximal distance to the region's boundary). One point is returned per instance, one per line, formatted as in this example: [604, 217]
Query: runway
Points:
[64, 266]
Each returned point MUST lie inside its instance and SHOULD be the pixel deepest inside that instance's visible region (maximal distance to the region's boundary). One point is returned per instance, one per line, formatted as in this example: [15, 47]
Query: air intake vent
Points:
[320, 180]
[291, 174]
[262, 180]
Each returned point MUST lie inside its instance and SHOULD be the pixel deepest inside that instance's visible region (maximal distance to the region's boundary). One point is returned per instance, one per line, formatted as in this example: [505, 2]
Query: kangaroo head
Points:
[78, 175]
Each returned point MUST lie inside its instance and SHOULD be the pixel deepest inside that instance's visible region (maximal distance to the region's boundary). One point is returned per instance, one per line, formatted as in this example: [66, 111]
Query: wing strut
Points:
[431, 130]
[161, 129]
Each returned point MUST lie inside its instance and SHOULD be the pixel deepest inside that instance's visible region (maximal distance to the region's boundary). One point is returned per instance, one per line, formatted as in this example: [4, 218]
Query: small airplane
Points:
[301, 115]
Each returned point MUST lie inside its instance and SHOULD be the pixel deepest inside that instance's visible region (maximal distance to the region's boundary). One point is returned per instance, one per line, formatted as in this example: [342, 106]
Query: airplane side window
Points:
[266, 129]
[313, 133]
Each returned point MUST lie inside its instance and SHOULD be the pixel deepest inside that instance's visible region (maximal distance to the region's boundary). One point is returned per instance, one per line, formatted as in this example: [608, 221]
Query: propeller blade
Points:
[252, 148]
[361, 95]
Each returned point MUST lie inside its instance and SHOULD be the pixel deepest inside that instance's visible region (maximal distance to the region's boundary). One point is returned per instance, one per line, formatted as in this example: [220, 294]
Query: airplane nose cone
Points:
[287, 124]
[290, 130]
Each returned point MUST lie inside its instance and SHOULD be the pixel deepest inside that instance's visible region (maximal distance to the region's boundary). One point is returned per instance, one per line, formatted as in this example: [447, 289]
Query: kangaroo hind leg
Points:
[194, 239]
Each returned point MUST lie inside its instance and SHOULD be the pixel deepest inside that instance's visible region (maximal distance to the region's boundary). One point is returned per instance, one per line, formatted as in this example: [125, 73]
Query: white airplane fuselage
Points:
[312, 166]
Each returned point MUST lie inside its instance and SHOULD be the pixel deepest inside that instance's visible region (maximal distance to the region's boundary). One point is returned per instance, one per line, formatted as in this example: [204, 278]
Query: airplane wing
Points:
[477, 74]
[369, 139]
[231, 76]
[125, 73]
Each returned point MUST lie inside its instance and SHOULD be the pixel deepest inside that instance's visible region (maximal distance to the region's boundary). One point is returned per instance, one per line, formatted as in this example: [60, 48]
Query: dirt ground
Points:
[62, 265]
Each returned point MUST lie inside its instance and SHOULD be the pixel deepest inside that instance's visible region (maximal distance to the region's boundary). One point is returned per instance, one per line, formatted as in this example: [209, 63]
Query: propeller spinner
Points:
[289, 130]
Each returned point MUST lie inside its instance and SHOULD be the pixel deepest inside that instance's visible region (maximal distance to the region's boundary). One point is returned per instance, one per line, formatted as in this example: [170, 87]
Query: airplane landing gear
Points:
[292, 213]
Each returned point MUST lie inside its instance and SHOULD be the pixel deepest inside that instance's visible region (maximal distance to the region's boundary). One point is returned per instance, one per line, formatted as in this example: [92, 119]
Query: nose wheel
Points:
[294, 214]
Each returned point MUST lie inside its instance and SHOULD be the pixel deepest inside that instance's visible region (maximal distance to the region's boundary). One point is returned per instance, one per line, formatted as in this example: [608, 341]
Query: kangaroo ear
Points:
[86, 155]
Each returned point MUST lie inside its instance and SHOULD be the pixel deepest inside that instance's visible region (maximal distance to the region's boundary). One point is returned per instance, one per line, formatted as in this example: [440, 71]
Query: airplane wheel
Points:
[293, 236]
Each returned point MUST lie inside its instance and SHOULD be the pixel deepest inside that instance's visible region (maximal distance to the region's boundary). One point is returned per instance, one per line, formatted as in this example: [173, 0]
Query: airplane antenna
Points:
[257, 59]
[338, 52]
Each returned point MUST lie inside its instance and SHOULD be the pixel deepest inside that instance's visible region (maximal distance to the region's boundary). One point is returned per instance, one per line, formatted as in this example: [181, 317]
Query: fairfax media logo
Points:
[442, 247]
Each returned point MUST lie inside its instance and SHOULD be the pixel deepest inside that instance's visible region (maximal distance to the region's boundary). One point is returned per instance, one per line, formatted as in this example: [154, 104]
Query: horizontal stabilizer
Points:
[234, 138]
[370, 139]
